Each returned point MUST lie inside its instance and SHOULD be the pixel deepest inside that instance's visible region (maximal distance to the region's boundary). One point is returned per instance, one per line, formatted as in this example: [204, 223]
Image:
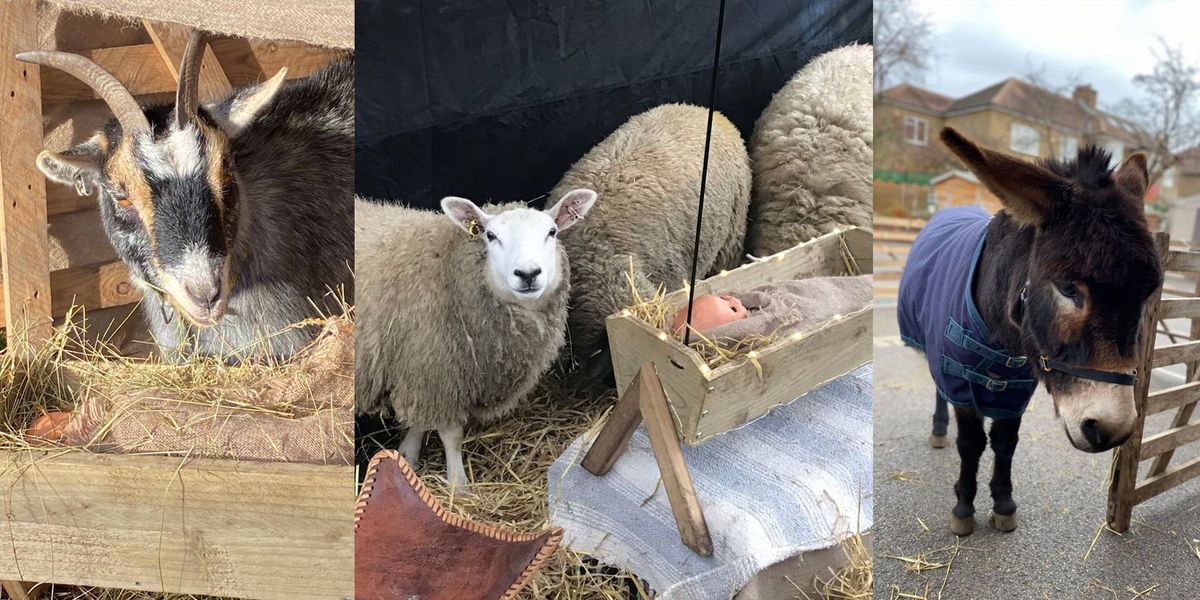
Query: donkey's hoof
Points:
[964, 526]
[937, 441]
[1005, 523]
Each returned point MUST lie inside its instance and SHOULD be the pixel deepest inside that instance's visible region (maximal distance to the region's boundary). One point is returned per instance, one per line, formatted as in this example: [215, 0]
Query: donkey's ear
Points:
[572, 207]
[465, 214]
[237, 113]
[1027, 190]
[1133, 176]
[80, 167]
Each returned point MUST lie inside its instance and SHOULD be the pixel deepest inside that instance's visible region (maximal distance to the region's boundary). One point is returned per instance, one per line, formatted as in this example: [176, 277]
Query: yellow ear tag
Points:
[473, 230]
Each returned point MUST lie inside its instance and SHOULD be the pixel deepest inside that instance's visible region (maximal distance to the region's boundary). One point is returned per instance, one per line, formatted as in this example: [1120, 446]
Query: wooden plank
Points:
[171, 40]
[1173, 397]
[142, 70]
[23, 240]
[896, 236]
[1173, 308]
[1176, 353]
[790, 368]
[1182, 261]
[1157, 484]
[1170, 439]
[881, 222]
[1122, 492]
[94, 286]
[664, 440]
[247, 62]
[61, 200]
[150, 523]
[618, 429]
[1160, 463]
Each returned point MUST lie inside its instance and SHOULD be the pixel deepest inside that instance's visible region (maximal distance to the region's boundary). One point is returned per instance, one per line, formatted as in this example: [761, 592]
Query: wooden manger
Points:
[1125, 491]
[681, 398]
[152, 523]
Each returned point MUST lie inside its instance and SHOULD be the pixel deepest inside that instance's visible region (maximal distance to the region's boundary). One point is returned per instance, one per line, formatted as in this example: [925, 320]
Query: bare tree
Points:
[1168, 107]
[903, 42]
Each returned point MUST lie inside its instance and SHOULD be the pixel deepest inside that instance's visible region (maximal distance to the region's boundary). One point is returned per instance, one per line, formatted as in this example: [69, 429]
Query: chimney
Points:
[1085, 94]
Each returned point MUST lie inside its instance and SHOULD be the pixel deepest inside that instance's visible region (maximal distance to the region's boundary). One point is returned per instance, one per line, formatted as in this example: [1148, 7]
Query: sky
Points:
[1103, 42]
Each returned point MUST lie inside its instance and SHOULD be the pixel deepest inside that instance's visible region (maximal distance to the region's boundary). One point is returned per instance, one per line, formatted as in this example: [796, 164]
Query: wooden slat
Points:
[896, 236]
[881, 222]
[142, 70]
[171, 40]
[1176, 353]
[62, 199]
[1182, 261]
[93, 286]
[1157, 484]
[23, 241]
[1171, 308]
[1170, 439]
[149, 523]
[1173, 397]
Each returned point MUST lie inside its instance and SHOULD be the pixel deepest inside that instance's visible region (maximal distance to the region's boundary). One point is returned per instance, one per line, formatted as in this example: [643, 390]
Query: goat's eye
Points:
[123, 202]
[491, 237]
[553, 232]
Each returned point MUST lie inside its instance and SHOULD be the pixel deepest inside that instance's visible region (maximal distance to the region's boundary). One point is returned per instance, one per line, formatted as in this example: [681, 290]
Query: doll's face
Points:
[710, 311]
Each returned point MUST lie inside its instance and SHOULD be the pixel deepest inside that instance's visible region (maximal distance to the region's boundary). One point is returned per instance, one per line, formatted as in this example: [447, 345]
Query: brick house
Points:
[1012, 115]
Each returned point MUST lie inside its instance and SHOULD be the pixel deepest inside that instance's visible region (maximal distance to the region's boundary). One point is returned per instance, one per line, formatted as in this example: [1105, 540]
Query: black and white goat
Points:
[236, 215]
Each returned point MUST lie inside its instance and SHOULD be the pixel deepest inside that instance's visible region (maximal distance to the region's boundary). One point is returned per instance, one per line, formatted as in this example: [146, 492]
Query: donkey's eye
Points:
[553, 232]
[491, 237]
[1071, 292]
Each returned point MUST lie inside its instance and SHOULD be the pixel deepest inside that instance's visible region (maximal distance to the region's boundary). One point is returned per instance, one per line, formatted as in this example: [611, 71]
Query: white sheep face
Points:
[522, 243]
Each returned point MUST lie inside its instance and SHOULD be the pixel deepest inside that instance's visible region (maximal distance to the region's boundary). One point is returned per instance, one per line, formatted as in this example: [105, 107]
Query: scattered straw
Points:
[508, 461]
[853, 581]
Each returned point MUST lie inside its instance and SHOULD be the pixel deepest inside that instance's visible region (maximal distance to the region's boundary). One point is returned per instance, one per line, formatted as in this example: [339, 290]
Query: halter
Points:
[1049, 364]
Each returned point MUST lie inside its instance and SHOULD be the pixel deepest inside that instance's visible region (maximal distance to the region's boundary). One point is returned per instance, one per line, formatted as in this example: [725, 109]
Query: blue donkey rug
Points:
[937, 314]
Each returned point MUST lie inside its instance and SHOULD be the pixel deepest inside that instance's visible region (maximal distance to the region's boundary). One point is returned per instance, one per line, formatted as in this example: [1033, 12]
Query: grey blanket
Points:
[795, 480]
[781, 308]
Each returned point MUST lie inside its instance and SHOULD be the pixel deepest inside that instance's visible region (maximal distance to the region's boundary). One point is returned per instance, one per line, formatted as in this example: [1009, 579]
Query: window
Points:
[1024, 139]
[916, 131]
[1068, 147]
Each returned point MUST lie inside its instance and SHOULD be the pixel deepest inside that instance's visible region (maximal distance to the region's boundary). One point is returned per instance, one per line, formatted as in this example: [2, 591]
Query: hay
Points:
[853, 581]
[69, 371]
[507, 462]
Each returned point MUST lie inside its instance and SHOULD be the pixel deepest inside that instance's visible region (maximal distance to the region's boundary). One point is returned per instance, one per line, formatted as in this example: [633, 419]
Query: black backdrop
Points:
[493, 100]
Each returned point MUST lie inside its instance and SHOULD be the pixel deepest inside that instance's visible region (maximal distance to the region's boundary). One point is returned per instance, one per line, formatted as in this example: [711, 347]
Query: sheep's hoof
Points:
[1005, 523]
[962, 527]
[937, 441]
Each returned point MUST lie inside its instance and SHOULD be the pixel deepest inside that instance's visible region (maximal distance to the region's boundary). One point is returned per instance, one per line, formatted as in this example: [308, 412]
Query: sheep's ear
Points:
[465, 214]
[1133, 177]
[572, 207]
[237, 113]
[1027, 190]
[81, 166]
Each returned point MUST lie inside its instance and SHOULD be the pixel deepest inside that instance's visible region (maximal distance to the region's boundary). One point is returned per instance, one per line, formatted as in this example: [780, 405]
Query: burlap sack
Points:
[301, 412]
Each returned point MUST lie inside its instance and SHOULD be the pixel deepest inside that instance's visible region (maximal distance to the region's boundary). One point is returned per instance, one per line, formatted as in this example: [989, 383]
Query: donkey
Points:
[1061, 275]
[235, 215]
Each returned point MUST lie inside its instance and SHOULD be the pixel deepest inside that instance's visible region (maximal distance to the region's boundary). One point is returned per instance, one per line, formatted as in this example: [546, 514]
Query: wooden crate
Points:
[162, 524]
[706, 402]
[221, 527]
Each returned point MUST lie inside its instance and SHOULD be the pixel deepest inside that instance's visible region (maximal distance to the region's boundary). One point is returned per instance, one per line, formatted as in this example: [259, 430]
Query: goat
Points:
[237, 215]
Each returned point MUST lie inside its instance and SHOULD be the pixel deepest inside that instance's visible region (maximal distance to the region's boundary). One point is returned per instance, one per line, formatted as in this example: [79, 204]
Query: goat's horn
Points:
[187, 95]
[118, 99]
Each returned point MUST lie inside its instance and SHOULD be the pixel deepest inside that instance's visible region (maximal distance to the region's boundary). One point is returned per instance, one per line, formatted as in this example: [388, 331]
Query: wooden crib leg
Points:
[645, 399]
[19, 590]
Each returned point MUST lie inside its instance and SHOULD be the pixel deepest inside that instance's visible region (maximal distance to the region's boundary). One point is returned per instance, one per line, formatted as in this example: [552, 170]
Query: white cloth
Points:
[795, 480]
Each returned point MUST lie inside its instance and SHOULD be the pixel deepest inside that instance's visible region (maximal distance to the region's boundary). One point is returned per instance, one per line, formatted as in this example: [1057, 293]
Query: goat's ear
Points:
[1132, 176]
[572, 207]
[1027, 190]
[237, 113]
[465, 214]
[80, 167]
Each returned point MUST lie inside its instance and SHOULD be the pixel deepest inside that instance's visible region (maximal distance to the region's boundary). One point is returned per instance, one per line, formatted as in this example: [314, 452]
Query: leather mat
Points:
[408, 547]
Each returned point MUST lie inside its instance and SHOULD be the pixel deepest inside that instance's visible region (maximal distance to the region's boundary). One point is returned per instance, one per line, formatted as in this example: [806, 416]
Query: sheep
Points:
[233, 216]
[811, 154]
[458, 317]
[647, 175]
